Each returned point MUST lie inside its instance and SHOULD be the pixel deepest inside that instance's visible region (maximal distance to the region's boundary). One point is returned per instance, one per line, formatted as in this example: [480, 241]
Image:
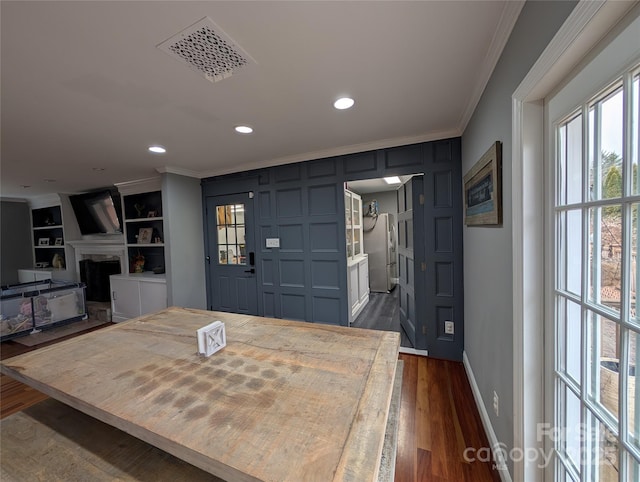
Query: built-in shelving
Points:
[48, 238]
[144, 231]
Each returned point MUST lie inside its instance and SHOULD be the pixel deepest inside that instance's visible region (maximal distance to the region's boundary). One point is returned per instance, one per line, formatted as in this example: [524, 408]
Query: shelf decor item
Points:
[58, 242]
[43, 242]
[57, 261]
[483, 189]
[144, 235]
[138, 263]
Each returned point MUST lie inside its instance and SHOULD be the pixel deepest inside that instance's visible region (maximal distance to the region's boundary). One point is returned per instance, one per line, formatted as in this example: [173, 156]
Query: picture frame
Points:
[43, 241]
[144, 235]
[152, 214]
[58, 242]
[483, 189]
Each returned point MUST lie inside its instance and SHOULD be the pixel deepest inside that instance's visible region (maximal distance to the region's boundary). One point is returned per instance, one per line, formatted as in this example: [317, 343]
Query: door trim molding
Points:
[585, 27]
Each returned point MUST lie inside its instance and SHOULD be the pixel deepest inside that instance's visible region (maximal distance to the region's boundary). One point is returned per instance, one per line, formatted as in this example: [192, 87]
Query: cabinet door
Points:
[125, 297]
[363, 280]
[153, 297]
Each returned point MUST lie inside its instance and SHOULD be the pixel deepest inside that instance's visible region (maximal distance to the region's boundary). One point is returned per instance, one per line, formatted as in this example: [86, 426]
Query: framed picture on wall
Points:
[483, 189]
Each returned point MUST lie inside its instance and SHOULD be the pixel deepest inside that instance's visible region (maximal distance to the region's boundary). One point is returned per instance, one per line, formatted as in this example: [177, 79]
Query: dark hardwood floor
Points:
[382, 313]
[438, 418]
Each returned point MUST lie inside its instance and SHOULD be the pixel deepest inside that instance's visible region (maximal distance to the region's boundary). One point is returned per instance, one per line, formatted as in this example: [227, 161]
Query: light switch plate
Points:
[273, 242]
[211, 338]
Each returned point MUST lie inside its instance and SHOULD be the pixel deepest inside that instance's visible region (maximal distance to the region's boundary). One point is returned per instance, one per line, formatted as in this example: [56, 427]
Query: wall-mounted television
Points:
[98, 212]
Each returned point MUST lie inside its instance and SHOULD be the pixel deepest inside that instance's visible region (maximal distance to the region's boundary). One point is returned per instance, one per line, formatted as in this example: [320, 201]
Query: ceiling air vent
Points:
[205, 48]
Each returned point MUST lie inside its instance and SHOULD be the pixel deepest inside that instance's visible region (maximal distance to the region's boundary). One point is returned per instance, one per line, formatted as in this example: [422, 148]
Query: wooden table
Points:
[283, 401]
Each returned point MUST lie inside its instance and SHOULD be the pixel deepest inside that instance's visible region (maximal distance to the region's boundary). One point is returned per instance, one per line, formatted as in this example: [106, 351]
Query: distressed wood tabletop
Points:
[282, 401]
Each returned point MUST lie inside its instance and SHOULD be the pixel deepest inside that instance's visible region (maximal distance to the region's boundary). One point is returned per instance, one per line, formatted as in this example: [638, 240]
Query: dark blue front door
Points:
[231, 251]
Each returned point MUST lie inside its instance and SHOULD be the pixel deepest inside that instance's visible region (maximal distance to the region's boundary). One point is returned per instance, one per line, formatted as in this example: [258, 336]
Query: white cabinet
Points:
[29, 275]
[358, 289]
[353, 224]
[135, 295]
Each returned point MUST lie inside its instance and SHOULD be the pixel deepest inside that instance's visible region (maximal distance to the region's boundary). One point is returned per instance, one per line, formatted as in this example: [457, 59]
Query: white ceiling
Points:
[84, 85]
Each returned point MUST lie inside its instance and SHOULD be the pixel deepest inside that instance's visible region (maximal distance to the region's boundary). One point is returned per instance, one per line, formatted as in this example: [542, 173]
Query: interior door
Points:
[410, 257]
[231, 252]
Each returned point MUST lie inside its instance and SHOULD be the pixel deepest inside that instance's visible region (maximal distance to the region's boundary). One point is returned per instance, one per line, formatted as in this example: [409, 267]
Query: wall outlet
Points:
[496, 403]
[448, 327]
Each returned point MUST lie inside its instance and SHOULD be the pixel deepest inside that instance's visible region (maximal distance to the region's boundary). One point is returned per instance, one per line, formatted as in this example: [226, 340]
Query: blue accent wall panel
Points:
[323, 200]
[322, 168]
[292, 273]
[291, 238]
[443, 234]
[442, 195]
[268, 303]
[267, 274]
[289, 202]
[287, 173]
[326, 310]
[324, 237]
[405, 156]
[444, 279]
[264, 204]
[360, 163]
[293, 307]
[325, 274]
[302, 204]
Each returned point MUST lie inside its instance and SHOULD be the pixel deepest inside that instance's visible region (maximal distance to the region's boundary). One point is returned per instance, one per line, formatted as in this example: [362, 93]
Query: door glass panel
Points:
[231, 234]
[570, 161]
[635, 144]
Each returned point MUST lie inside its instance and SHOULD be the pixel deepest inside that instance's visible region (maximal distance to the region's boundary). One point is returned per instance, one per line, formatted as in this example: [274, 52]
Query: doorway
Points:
[387, 243]
[233, 286]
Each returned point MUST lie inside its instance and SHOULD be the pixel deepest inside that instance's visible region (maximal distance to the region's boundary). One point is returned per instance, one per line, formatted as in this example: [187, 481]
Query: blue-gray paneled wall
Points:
[303, 205]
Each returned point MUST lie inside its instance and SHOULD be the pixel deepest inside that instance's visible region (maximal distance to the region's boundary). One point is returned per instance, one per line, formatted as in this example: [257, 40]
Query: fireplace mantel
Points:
[90, 249]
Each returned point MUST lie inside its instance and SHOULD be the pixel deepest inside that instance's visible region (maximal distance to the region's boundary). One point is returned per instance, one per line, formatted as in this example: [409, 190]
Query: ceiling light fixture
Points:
[343, 103]
[98, 169]
[157, 149]
[244, 129]
[49, 180]
[392, 180]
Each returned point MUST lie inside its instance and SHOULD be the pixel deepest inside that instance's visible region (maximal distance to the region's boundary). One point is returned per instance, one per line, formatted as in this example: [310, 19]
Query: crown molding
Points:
[334, 152]
[508, 18]
[179, 171]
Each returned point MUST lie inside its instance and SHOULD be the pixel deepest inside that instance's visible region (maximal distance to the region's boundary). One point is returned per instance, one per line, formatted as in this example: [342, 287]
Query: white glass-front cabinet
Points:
[357, 261]
[353, 219]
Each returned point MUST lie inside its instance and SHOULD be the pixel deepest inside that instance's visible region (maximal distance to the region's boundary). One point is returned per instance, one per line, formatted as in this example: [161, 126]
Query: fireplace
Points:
[95, 261]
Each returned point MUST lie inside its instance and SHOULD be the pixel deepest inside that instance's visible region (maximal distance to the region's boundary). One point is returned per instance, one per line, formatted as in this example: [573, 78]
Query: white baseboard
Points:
[501, 464]
[413, 351]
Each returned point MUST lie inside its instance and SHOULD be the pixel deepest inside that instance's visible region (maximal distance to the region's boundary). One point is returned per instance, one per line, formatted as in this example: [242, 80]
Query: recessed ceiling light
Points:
[49, 180]
[25, 186]
[343, 103]
[392, 180]
[244, 129]
[157, 149]
[98, 169]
